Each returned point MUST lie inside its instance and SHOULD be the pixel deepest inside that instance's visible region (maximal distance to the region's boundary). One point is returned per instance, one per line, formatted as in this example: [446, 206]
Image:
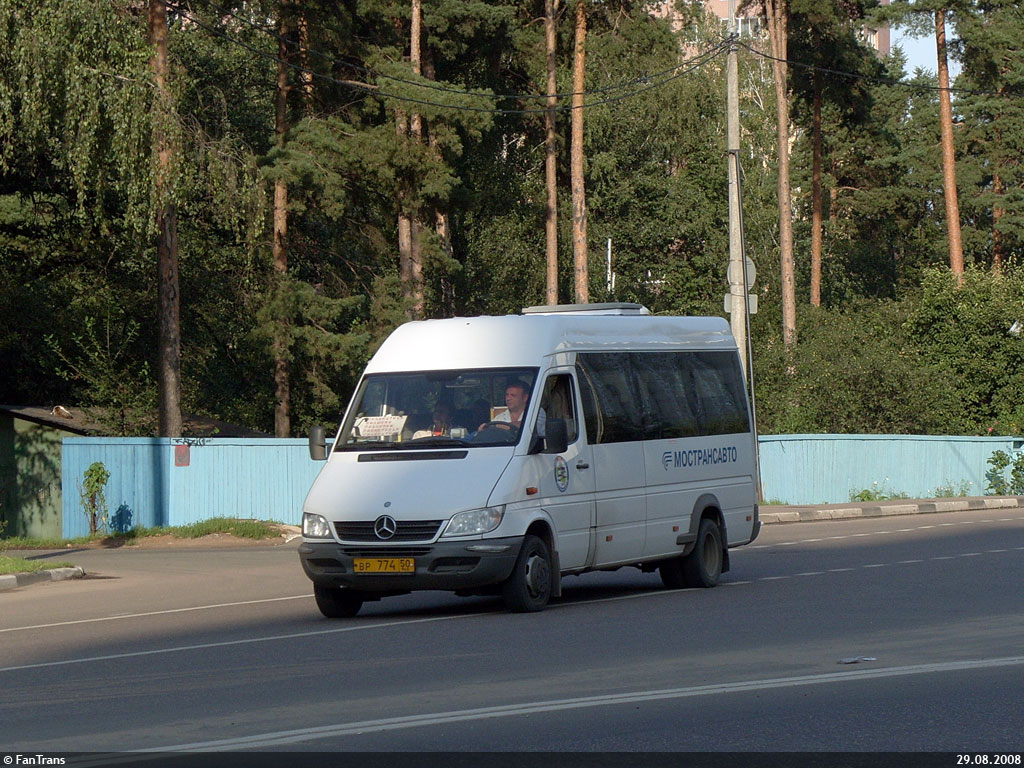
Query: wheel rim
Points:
[538, 576]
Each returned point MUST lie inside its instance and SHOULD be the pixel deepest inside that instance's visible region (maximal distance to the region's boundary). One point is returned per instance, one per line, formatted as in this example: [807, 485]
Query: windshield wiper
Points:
[434, 440]
[370, 445]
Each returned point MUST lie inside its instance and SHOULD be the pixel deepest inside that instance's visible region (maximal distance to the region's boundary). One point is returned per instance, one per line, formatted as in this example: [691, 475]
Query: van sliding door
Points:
[614, 429]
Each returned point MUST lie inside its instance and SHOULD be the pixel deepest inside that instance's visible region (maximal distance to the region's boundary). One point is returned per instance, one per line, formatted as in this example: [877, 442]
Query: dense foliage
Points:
[897, 345]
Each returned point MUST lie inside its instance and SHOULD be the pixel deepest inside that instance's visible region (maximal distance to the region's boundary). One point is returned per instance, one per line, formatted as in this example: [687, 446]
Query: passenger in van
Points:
[441, 425]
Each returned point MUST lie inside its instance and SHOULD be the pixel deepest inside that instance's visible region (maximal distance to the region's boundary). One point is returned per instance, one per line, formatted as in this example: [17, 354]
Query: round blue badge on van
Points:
[561, 474]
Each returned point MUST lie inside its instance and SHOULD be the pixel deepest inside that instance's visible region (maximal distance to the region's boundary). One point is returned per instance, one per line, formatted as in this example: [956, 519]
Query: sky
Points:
[921, 52]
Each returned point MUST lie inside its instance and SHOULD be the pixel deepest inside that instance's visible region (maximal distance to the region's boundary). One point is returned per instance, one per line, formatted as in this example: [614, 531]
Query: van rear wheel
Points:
[528, 589]
[703, 566]
[337, 603]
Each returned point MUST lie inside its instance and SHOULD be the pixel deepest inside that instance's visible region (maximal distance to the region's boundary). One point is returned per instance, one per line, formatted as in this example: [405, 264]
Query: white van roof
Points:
[608, 308]
[524, 340]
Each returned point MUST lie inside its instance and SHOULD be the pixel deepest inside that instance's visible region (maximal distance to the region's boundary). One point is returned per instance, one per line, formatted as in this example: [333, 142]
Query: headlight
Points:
[315, 526]
[475, 521]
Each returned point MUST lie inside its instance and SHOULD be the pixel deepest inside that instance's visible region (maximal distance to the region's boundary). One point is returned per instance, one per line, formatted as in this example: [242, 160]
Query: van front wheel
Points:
[335, 603]
[703, 566]
[528, 589]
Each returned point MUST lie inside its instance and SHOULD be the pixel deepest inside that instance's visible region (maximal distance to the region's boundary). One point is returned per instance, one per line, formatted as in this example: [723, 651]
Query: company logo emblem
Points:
[667, 459]
[561, 474]
[385, 527]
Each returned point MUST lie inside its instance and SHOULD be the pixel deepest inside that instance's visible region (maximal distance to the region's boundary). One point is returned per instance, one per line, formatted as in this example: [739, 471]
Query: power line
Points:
[872, 78]
[640, 80]
[368, 89]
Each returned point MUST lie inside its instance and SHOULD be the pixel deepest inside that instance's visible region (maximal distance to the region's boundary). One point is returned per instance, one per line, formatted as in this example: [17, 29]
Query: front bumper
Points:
[447, 565]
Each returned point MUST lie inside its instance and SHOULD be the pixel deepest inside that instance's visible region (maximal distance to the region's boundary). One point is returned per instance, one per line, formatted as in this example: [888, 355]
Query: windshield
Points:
[467, 408]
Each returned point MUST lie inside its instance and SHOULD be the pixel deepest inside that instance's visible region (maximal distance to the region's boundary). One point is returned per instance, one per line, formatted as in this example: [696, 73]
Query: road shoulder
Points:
[817, 512]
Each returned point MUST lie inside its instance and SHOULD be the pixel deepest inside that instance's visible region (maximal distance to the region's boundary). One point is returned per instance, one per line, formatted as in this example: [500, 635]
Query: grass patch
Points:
[9, 565]
[245, 529]
[20, 542]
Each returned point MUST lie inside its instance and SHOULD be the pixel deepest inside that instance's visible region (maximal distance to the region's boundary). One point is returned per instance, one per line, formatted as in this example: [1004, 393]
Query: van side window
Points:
[720, 388]
[559, 402]
[660, 395]
[588, 400]
[664, 381]
[617, 416]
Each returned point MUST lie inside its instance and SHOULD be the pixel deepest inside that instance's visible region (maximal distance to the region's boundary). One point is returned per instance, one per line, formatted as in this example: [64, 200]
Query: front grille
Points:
[406, 530]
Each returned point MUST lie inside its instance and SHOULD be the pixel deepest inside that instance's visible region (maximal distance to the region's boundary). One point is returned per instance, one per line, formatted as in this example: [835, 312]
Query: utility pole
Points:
[736, 301]
[551, 152]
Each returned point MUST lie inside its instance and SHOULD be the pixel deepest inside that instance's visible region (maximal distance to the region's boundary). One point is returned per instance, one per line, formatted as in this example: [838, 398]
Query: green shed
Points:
[30, 446]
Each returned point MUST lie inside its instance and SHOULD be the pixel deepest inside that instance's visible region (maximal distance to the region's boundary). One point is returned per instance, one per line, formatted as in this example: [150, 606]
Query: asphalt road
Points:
[209, 650]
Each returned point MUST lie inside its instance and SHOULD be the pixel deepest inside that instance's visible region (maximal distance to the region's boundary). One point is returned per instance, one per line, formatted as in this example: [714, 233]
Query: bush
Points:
[853, 371]
[941, 361]
[964, 329]
[94, 501]
[996, 476]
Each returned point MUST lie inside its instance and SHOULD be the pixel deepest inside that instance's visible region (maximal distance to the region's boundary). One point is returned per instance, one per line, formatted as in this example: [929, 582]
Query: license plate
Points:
[384, 565]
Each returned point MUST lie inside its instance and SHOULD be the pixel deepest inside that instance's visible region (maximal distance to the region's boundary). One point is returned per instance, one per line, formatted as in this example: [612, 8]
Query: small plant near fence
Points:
[996, 475]
[94, 500]
[877, 493]
[951, 491]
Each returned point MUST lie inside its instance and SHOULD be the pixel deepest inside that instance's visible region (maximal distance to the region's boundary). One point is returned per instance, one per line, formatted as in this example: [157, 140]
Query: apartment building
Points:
[751, 25]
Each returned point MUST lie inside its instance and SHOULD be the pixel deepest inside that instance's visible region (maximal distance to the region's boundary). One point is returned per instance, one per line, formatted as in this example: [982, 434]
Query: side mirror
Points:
[556, 436]
[317, 444]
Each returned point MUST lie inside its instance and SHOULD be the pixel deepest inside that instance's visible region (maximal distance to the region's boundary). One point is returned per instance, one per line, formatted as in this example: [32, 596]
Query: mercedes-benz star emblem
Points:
[385, 527]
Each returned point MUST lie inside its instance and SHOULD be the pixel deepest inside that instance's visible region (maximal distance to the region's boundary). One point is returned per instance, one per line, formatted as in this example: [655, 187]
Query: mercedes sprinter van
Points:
[499, 455]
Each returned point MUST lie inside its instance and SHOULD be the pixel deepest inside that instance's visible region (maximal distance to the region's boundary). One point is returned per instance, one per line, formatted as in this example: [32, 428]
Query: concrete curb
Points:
[15, 580]
[814, 513]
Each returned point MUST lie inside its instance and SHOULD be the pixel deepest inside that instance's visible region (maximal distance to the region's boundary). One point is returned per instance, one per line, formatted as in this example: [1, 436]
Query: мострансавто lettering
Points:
[699, 457]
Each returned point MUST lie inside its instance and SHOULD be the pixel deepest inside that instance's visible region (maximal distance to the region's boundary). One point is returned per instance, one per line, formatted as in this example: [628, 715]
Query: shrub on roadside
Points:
[996, 475]
[853, 371]
[965, 330]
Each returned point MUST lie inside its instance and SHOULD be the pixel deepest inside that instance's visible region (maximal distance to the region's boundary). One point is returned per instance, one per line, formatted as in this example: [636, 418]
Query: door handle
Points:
[582, 465]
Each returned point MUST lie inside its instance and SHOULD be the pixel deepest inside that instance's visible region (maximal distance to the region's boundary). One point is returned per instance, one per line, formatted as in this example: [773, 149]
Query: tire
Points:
[671, 572]
[703, 566]
[337, 603]
[528, 588]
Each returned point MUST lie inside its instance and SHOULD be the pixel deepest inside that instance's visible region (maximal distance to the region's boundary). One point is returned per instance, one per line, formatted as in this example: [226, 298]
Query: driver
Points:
[517, 398]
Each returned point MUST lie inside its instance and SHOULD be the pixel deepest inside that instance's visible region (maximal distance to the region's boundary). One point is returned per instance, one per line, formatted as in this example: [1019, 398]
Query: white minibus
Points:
[499, 455]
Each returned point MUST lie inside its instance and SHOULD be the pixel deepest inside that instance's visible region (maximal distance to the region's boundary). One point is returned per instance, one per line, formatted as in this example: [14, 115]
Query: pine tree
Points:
[991, 41]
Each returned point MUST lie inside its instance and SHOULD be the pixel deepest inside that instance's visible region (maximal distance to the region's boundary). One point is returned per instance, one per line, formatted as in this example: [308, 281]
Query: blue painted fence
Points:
[828, 469]
[167, 481]
[161, 481]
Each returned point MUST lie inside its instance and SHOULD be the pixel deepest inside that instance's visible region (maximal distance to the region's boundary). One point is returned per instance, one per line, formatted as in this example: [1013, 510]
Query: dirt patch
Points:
[214, 540]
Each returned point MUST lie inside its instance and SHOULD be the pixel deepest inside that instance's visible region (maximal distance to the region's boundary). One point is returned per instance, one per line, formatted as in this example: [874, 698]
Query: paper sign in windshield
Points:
[378, 426]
